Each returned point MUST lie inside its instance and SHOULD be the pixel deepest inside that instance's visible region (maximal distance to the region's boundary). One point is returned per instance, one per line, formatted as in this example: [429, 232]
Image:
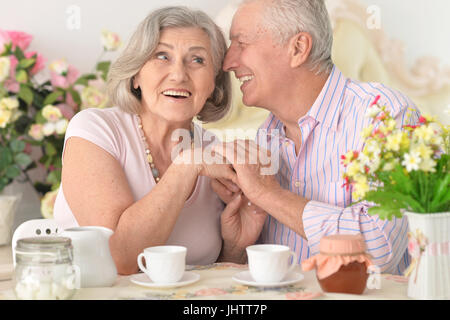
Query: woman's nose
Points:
[230, 62]
[178, 72]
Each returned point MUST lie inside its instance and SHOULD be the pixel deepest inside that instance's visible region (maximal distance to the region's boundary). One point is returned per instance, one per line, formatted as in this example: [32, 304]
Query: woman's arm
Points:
[98, 193]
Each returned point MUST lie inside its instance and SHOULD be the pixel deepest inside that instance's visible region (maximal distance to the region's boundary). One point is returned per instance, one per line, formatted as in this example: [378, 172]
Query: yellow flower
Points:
[59, 66]
[424, 133]
[4, 68]
[61, 126]
[424, 151]
[5, 117]
[393, 141]
[391, 124]
[404, 142]
[110, 40]
[367, 132]
[354, 168]
[51, 113]
[92, 97]
[9, 103]
[47, 203]
[427, 165]
[361, 187]
[36, 132]
[390, 165]
[429, 117]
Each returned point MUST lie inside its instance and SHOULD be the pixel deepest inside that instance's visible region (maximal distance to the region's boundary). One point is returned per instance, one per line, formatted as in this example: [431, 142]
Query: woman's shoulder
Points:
[109, 118]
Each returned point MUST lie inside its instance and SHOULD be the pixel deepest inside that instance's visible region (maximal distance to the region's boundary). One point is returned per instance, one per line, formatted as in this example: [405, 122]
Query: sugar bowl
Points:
[44, 269]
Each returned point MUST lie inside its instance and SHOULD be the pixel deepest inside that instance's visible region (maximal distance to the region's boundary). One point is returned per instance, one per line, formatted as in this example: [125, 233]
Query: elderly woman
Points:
[119, 169]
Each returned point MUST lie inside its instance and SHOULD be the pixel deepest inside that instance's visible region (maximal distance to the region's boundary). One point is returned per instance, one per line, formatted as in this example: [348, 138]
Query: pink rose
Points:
[13, 65]
[12, 85]
[20, 39]
[67, 111]
[40, 62]
[64, 82]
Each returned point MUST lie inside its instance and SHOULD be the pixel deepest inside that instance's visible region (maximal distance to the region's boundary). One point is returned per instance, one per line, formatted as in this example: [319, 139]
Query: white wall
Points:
[48, 20]
[422, 25]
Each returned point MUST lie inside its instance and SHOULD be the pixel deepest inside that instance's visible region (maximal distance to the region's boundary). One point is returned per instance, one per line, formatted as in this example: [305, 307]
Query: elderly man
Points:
[281, 52]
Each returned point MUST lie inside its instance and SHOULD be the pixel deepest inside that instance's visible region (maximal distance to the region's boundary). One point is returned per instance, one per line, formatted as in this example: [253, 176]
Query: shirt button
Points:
[297, 184]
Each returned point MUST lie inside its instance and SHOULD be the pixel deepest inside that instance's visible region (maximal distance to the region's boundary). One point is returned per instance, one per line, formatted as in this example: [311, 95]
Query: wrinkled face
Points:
[256, 60]
[179, 77]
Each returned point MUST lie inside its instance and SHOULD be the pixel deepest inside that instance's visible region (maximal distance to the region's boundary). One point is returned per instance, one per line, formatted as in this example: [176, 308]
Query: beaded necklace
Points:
[148, 155]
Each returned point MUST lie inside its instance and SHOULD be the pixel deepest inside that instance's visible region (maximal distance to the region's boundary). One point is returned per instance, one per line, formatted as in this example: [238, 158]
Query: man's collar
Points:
[328, 105]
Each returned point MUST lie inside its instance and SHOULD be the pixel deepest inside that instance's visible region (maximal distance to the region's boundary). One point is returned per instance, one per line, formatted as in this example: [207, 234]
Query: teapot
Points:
[92, 255]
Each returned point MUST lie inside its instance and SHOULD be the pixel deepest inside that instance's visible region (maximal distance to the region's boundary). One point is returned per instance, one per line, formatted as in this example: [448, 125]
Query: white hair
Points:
[286, 18]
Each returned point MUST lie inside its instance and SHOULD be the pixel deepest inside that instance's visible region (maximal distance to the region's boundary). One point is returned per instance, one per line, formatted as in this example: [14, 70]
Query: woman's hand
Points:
[241, 226]
[220, 170]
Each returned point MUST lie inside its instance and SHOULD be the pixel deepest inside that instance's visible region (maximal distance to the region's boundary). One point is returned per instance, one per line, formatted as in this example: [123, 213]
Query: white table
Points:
[216, 283]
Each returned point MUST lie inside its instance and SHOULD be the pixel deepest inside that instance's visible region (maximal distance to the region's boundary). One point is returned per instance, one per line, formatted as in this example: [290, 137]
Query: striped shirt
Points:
[331, 128]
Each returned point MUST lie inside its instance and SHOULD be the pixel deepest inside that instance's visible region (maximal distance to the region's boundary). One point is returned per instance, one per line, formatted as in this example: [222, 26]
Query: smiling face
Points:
[179, 77]
[259, 63]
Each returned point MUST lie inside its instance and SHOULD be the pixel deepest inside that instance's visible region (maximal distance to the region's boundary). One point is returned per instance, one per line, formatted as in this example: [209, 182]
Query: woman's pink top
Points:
[117, 132]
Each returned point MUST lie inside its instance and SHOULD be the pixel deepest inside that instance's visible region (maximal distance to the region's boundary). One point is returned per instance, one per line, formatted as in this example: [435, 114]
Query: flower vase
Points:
[429, 247]
[8, 205]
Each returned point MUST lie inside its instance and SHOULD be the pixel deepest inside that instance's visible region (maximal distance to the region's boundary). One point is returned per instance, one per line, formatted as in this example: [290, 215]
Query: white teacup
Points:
[269, 263]
[164, 264]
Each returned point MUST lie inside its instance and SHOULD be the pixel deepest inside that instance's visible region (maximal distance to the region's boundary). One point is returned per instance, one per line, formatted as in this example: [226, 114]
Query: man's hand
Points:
[253, 166]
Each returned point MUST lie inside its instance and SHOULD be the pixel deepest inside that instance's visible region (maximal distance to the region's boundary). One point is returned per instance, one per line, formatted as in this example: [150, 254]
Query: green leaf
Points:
[6, 157]
[83, 80]
[385, 213]
[26, 63]
[104, 68]
[22, 159]
[12, 172]
[26, 94]
[17, 146]
[54, 177]
[52, 97]
[50, 149]
[403, 182]
[22, 76]
[75, 96]
[19, 53]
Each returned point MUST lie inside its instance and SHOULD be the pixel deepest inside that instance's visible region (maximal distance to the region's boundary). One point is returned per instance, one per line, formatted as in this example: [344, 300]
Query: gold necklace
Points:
[155, 171]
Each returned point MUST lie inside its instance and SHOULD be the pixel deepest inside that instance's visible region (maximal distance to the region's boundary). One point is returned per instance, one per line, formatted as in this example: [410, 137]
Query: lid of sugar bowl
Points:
[44, 249]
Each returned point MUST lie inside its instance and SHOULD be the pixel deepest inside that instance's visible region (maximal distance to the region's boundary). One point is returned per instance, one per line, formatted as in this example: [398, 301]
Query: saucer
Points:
[246, 278]
[143, 280]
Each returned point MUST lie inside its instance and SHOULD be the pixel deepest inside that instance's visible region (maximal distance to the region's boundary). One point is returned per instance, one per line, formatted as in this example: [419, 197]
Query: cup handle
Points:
[140, 264]
[294, 261]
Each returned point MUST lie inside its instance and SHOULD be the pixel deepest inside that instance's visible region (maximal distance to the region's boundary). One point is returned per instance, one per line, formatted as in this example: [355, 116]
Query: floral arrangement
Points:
[36, 115]
[400, 168]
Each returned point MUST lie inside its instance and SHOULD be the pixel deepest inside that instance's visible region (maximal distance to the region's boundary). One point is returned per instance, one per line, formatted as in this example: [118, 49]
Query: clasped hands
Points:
[243, 217]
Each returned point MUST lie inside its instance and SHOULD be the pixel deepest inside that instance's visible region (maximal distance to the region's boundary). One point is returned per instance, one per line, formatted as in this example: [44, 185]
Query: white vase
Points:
[430, 278]
[8, 205]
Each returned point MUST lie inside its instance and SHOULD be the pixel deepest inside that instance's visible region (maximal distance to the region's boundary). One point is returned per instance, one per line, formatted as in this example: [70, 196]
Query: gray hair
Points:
[141, 47]
[286, 18]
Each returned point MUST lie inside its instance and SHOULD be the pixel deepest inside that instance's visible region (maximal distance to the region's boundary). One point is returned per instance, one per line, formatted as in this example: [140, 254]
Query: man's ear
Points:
[299, 48]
